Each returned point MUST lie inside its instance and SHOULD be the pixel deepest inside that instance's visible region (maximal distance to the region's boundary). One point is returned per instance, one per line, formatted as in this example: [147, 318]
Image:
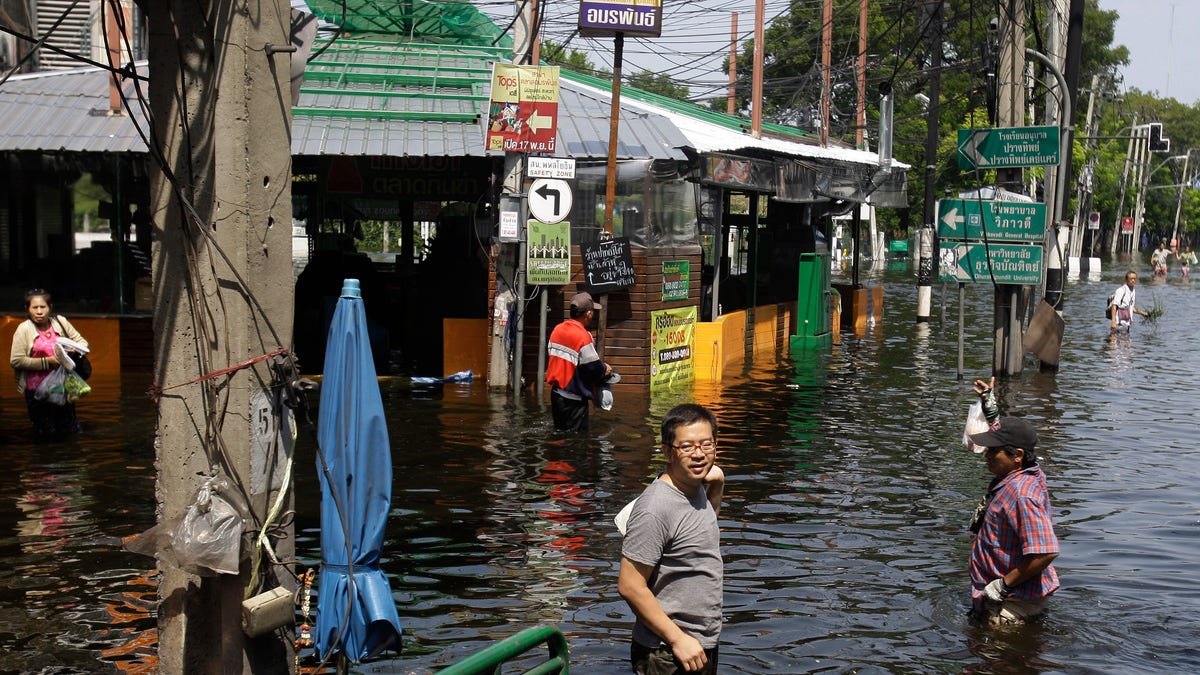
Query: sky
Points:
[1163, 57]
[1161, 36]
[692, 48]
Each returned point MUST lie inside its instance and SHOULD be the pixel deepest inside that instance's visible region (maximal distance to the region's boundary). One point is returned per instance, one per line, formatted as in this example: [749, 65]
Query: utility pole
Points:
[1071, 68]
[1117, 233]
[1183, 183]
[1058, 112]
[1141, 182]
[756, 75]
[932, 121]
[731, 101]
[1008, 353]
[1083, 192]
[826, 67]
[513, 191]
[223, 292]
[860, 127]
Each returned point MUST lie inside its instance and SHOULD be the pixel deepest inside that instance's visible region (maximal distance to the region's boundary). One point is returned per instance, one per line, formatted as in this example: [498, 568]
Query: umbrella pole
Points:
[343, 664]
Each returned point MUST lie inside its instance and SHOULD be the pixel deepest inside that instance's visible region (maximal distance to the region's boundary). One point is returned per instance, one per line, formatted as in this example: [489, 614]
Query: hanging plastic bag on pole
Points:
[208, 540]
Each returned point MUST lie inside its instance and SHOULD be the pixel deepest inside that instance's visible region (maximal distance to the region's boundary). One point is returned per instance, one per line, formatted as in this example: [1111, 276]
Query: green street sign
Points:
[1009, 263]
[971, 219]
[1007, 147]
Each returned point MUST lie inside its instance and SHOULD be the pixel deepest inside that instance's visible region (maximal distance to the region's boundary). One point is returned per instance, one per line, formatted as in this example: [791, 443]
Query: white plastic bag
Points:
[976, 424]
[51, 389]
[209, 538]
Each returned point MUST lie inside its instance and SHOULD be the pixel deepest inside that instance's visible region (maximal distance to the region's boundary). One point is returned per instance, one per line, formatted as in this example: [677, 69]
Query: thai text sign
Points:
[607, 265]
[642, 18]
[548, 262]
[988, 263]
[672, 335]
[977, 220]
[523, 111]
[677, 276]
[1007, 147]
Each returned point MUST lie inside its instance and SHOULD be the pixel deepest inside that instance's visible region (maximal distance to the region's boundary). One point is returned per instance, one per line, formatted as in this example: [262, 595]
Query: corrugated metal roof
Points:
[367, 97]
[65, 111]
[711, 131]
[708, 131]
[340, 112]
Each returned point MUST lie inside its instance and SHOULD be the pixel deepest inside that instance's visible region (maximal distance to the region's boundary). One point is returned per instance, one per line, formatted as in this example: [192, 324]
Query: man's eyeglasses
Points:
[688, 448]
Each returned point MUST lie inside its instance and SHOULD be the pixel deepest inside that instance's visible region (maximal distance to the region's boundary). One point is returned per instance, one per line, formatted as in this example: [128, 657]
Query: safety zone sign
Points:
[523, 110]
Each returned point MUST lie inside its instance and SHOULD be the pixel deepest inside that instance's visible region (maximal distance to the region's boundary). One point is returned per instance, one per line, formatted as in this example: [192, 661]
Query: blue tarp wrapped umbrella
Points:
[356, 614]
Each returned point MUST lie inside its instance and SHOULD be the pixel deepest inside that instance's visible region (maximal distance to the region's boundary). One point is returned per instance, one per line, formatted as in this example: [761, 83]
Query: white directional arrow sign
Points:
[1007, 147]
[951, 221]
[550, 199]
[538, 122]
[985, 220]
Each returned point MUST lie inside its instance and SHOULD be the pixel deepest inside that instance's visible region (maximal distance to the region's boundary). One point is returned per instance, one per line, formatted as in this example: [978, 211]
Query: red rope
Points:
[156, 391]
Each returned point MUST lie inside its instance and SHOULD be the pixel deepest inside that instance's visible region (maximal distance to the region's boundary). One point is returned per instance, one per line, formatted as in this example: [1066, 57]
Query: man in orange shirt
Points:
[574, 370]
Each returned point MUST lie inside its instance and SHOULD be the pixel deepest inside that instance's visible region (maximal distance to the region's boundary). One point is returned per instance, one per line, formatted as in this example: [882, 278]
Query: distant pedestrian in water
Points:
[574, 370]
[672, 573]
[33, 360]
[1186, 260]
[1124, 302]
[1159, 259]
[1013, 540]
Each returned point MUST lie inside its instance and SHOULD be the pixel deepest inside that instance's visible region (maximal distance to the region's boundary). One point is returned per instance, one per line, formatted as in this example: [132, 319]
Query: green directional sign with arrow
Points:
[986, 263]
[1007, 147]
[972, 219]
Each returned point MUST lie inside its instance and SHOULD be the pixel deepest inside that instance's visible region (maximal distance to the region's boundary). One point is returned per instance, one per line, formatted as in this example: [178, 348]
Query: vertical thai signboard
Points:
[640, 18]
[523, 110]
[676, 276]
[672, 335]
[548, 261]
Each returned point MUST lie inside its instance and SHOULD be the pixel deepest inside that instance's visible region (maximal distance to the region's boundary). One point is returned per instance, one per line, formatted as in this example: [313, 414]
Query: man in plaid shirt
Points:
[1014, 542]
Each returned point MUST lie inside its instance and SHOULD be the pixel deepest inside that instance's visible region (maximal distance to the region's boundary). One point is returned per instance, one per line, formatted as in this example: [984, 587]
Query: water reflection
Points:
[843, 528]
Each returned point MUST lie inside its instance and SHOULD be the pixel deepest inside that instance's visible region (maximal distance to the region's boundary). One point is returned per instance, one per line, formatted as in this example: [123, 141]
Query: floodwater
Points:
[843, 529]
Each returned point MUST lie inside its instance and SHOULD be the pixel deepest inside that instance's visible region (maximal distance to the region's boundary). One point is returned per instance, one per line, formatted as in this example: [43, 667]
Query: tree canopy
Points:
[901, 36]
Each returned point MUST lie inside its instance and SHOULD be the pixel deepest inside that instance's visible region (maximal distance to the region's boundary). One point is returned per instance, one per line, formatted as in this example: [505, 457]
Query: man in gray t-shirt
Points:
[671, 570]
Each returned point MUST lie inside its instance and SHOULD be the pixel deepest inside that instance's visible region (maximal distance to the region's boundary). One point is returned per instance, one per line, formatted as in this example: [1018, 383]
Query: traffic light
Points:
[1157, 142]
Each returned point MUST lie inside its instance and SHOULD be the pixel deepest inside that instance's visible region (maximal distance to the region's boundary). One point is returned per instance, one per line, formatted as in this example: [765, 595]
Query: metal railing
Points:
[489, 661]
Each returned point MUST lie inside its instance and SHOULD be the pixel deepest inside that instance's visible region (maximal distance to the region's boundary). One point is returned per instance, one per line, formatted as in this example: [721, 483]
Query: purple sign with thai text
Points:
[642, 18]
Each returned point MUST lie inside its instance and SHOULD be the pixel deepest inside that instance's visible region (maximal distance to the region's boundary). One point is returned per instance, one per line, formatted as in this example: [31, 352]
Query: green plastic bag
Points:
[75, 387]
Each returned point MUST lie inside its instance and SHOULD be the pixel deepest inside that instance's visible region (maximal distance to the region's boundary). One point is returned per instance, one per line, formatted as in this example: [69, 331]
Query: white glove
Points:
[997, 590]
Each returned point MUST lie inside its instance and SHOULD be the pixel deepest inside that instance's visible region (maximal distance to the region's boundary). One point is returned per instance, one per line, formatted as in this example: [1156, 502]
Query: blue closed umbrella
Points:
[356, 614]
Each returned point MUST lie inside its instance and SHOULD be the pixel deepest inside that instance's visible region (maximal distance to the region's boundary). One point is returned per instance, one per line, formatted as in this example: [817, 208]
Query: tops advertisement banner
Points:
[640, 18]
[523, 111]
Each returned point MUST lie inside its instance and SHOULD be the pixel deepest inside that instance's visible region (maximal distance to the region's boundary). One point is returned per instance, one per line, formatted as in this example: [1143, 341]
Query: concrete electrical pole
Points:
[925, 261]
[1007, 354]
[223, 290]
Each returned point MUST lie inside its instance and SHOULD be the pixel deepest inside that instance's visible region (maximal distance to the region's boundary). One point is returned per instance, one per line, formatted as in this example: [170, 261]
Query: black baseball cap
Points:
[1009, 431]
